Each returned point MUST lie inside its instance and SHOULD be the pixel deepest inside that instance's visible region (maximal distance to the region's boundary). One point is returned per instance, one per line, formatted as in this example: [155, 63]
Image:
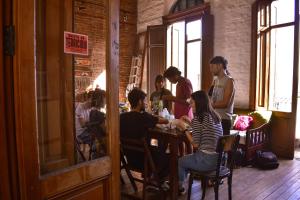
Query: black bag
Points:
[266, 160]
[239, 157]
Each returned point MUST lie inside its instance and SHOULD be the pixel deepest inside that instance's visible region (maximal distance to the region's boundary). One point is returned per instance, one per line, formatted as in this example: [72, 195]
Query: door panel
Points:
[44, 92]
[283, 134]
[156, 53]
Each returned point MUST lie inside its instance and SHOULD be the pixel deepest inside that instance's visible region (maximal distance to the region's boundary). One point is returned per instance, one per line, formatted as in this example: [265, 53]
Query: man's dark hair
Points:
[135, 95]
[220, 60]
[98, 98]
[171, 72]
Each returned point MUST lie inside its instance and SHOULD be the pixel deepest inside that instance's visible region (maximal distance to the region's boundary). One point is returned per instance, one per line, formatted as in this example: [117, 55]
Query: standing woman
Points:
[206, 130]
[156, 96]
[223, 91]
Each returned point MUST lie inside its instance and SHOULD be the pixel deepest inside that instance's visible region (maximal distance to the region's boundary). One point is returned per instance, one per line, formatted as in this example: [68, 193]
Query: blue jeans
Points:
[199, 160]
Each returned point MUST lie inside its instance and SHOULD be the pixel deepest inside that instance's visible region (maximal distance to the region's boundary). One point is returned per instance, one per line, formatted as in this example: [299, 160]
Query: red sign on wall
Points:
[75, 43]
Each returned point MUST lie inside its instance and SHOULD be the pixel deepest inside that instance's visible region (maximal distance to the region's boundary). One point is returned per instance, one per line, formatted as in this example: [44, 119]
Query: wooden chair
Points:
[124, 165]
[226, 145]
[149, 172]
[257, 137]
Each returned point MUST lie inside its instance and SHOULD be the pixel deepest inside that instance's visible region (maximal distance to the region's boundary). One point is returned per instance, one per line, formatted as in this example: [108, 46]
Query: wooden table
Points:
[174, 137]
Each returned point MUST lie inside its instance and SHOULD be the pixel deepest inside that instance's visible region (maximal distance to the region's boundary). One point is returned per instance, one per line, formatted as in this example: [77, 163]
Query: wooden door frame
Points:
[76, 178]
[4, 167]
[8, 154]
[284, 123]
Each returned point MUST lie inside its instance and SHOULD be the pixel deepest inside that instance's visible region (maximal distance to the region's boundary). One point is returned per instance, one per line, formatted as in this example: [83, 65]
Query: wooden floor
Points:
[249, 183]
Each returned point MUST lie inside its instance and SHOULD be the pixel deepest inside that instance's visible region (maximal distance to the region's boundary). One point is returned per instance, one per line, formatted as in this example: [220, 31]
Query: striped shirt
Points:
[207, 133]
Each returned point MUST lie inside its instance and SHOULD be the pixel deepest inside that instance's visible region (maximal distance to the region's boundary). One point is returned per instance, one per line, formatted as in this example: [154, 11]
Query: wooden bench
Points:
[257, 137]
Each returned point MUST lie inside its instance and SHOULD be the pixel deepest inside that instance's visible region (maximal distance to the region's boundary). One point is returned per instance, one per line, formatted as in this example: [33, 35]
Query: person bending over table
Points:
[135, 125]
[206, 129]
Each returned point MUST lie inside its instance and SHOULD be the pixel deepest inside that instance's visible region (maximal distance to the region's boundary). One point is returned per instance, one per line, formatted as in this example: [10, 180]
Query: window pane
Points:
[69, 87]
[169, 57]
[281, 69]
[194, 64]
[282, 11]
[178, 46]
[193, 30]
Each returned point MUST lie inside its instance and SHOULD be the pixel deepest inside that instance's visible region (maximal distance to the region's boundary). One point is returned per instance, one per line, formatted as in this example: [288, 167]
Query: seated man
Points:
[135, 125]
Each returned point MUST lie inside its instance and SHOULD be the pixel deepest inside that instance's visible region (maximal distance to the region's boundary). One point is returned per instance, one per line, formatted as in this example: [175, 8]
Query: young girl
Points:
[206, 130]
[156, 96]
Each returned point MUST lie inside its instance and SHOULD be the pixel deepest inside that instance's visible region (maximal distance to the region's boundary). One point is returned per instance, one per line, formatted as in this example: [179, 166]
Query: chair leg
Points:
[229, 187]
[122, 180]
[216, 189]
[203, 187]
[131, 179]
[191, 179]
[144, 190]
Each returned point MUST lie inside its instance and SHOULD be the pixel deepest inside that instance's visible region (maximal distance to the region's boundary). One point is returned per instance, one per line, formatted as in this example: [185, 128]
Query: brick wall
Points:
[149, 13]
[233, 40]
[232, 36]
[89, 20]
[128, 25]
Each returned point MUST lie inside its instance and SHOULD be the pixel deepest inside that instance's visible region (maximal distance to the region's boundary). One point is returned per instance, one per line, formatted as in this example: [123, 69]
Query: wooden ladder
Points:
[135, 76]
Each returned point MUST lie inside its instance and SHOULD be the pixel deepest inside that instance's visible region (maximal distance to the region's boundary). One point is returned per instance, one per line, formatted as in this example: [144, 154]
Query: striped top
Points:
[207, 133]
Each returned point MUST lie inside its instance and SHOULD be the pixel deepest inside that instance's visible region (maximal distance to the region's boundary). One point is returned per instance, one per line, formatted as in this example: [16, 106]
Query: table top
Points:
[166, 131]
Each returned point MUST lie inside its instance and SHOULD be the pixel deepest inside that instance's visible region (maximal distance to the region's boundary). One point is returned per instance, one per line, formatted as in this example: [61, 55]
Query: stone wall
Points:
[232, 35]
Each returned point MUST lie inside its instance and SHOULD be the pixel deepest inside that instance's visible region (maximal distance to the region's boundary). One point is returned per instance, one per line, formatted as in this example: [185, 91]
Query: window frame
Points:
[186, 16]
[259, 85]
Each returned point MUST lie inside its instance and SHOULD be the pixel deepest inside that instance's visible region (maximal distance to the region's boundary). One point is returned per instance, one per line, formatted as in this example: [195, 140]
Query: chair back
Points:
[227, 145]
[138, 146]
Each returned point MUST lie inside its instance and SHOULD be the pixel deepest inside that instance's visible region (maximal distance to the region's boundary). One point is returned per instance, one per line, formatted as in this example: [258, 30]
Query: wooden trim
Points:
[263, 30]
[24, 91]
[194, 40]
[295, 73]
[9, 111]
[113, 99]
[197, 11]
[5, 187]
[75, 176]
[185, 50]
[253, 60]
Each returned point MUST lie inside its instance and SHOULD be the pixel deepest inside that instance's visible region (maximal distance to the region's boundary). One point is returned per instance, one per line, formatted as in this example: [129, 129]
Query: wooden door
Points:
[156, 51]
[283, 123]
[43, 81]
[208, 49]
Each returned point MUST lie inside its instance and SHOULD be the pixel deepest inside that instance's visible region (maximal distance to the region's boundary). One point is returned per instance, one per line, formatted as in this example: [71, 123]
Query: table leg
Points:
[174, 169]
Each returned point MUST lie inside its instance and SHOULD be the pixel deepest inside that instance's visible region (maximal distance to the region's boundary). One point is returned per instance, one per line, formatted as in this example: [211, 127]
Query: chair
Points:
[149, 171]
[226, 145]
[124, 165]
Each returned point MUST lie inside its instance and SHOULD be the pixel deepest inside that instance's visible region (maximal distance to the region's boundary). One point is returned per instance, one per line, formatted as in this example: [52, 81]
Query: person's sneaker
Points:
[181, 190]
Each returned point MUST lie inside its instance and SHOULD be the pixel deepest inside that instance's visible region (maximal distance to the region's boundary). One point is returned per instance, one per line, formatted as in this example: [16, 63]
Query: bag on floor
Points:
[266, 160]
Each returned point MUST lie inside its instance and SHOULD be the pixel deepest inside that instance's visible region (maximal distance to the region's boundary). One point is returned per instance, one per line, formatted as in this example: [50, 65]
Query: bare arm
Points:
[228, 92]
[190, 139]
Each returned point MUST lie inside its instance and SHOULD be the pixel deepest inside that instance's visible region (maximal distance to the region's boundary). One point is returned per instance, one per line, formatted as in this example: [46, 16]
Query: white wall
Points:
[232, 35]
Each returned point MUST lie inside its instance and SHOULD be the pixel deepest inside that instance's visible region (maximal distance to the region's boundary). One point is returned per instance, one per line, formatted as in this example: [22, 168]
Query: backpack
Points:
[266, 160]
[239, 157]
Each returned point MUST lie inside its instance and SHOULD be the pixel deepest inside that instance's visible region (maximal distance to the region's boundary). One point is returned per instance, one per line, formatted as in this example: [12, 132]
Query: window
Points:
[184, 50]
[275, 54]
